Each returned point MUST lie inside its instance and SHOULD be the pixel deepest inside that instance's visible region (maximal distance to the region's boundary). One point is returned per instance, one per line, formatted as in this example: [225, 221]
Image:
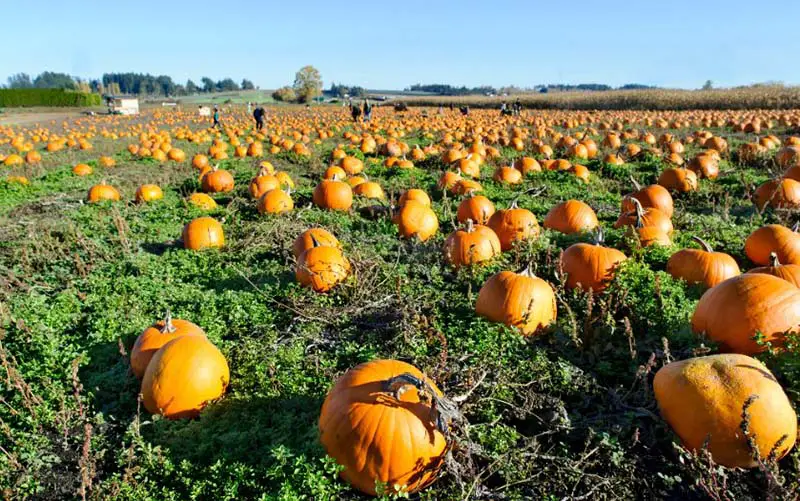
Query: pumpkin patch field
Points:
[430, 305]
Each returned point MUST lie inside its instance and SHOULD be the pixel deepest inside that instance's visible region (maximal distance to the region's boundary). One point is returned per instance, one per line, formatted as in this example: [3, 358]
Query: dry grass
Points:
[757, 97]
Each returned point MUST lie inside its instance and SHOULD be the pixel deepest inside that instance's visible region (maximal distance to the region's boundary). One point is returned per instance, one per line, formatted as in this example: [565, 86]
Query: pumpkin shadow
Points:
[159, 248]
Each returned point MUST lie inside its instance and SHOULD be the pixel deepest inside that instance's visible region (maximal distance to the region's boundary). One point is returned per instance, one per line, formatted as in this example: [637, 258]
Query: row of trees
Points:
[126, 83]
[339, 90]
[449, 90]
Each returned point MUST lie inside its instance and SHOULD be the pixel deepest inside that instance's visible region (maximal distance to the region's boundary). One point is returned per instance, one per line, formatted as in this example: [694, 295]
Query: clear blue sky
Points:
[390, 45]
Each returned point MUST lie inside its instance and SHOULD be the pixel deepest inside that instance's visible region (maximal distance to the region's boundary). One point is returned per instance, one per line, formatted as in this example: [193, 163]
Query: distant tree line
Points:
[125, 83]
[339, 90]
[449, 90]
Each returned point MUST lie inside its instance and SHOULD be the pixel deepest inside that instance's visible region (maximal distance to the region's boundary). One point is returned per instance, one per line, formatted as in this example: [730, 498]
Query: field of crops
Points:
[512, 303]
[765, 97]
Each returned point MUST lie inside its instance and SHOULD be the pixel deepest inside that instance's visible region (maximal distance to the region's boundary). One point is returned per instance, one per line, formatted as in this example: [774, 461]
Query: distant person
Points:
[517, 107]
[258, 115]
[355, 111]
[216, 118]
[503, 108]
[367, 110]
[249, 106]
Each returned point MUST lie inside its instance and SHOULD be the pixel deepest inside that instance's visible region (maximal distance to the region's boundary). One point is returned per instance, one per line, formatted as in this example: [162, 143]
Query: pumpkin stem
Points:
[796, 227]
[470, 226]
[635, 183]
[314, 241]
[638, 211]
[528, 271]
[773, 260]
[169, 327]
[702, 243]
[443, 410]
[599, 237]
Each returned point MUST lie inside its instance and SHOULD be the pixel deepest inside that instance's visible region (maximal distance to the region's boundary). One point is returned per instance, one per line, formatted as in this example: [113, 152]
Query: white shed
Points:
[123, 105]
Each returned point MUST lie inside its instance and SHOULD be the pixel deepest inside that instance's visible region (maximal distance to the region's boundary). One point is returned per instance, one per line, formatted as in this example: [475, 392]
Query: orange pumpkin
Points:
[702, 266]
[785, 243]
[519, 300]
[513, 225]
[572, 216]
[590, 266]
[654, 196]
[369, 189]
[678, 179]
[333, 195]
[275, 202]
[203, 233]
[263, 183]
[415, 194]
[383, 422]
[148, 193]
[183, 377]
[101, 192]
[778, 193]
[202, 201]
[788, 272]
[156, 336]
[416, 219]
[703, 399]
[477, 208]
[217, 181]
[314, 237]
[82, 170]
[474, 244]
[732, 312]
[321, 268]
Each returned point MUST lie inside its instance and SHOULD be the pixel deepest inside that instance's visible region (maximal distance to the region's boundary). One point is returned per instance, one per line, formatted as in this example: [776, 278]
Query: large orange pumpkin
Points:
[732, 312]
[788, 272]
[100, 192]
[590, 266]
[321, 268]
[703, 399]
[513, 225]
[183, 377]
[384, 422]
[217, 181]
[275, 202]
[477, 208]
[314, 237]
[785, 243]
[148, 193]
[778, 193]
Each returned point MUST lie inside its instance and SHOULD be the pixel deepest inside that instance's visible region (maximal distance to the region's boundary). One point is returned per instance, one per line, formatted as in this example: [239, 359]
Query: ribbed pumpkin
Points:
[321, 268]
[384, 421]
[156, 336]
[333, 195]
[513, 225]
[590, 266]
[702, 266]
[183, 377]
[654, 196]
[448, 180]
[471, 245]
[526, 165]
[507, 175]
[199, 161]
[203, 233]
[101, 192]
[703, 398]
[217, 181]
[314, 237]
[704, 166]
[148, 193]
[416, 219]
[351, 165]
[519, 300]
[478, 208]
[785, 243]
[733, 311]
[788, 272]
[275, 201]
[572, 216]
[778, 194]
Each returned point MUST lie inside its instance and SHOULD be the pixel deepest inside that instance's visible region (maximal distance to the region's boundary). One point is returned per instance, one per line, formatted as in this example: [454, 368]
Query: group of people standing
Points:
[513, 109]
[259, 114]
[356, 111]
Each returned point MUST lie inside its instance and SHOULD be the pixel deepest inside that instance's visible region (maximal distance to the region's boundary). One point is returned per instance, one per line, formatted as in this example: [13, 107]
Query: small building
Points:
[122, 105]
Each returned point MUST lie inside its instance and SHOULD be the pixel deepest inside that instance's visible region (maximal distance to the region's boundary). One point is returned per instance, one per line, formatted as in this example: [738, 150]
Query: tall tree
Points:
[307, 84]
[227, 84]
[52, 80]
[191, 87]
[208, 84]
[20, 81]
[247, 84]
